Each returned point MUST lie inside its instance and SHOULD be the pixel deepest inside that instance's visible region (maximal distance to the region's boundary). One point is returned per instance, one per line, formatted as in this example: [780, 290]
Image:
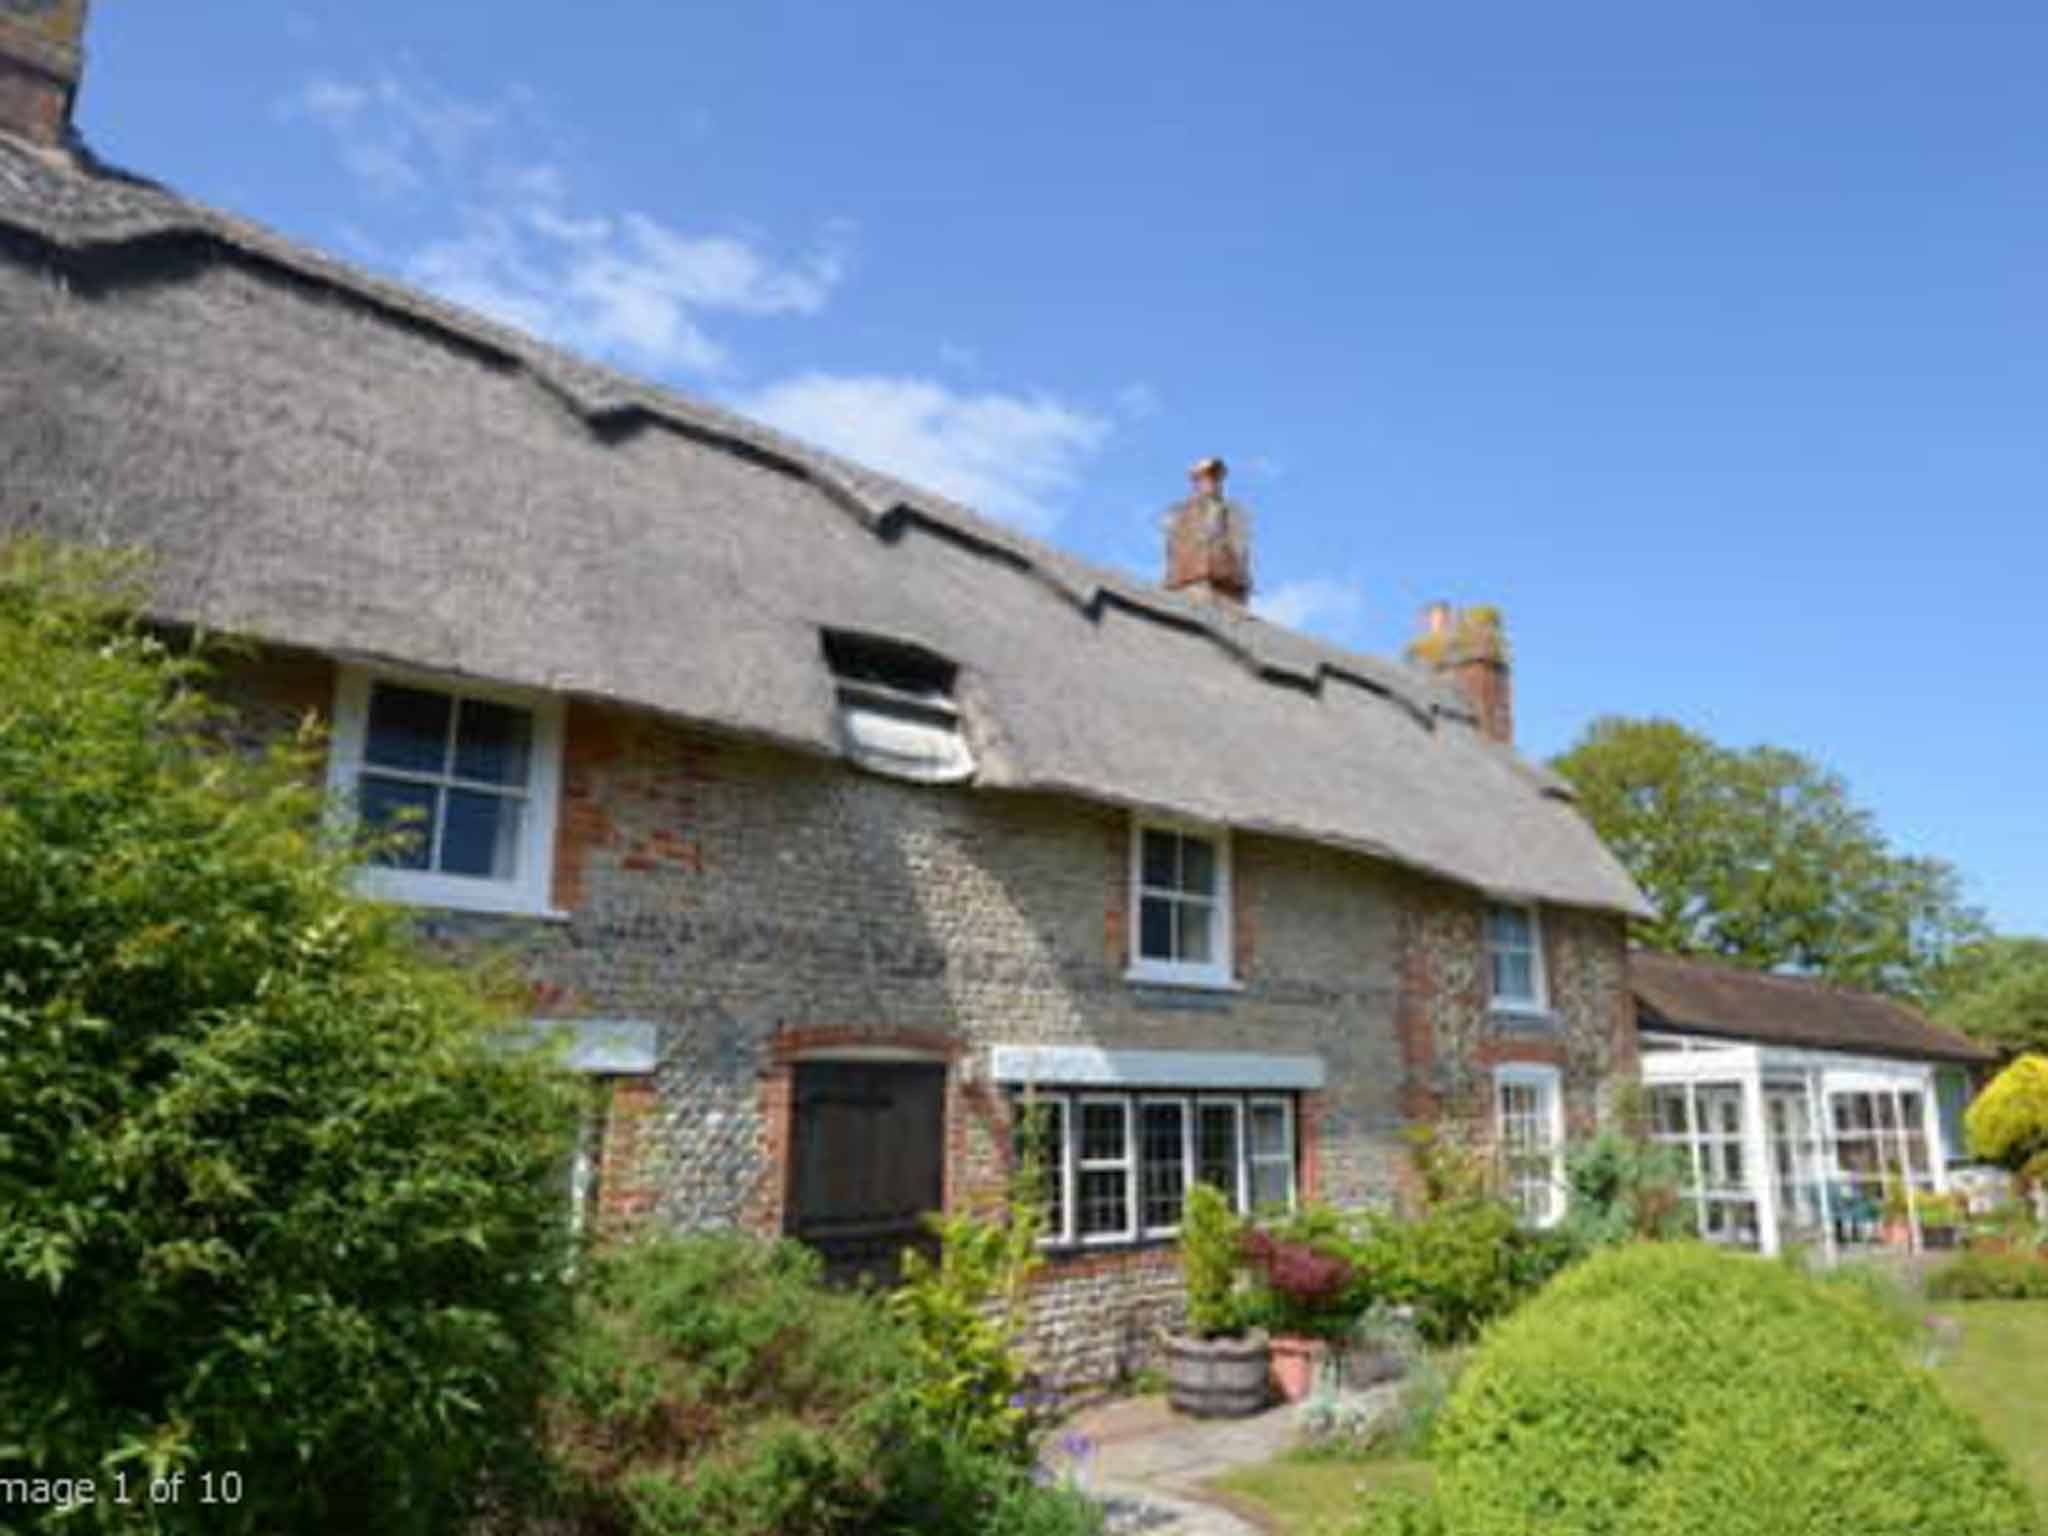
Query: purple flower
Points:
[1076, 1446]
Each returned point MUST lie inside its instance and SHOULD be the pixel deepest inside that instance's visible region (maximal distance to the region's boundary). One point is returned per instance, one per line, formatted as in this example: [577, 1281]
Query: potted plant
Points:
[1307, 1296]
[1894, 1224]
[1218, 1368]
[1941, 1220]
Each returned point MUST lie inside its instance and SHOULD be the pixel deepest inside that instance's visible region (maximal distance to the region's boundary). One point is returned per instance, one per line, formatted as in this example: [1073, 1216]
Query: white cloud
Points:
[1009, 456]
[1317, 602]
[514, 244]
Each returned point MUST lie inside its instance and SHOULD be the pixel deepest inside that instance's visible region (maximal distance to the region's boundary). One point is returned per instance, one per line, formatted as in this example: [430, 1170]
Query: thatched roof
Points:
[327, 460]
[1701, 997]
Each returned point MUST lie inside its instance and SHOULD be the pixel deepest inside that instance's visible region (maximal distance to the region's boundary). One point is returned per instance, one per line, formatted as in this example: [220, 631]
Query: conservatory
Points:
[1792, 1146]
[1803, 1114]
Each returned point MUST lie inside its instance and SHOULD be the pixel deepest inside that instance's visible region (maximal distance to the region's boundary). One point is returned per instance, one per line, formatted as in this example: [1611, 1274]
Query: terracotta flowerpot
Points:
[1217, 1378]
[1295, 1363]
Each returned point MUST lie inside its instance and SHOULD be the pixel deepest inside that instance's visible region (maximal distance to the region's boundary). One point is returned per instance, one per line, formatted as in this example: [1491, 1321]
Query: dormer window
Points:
[897, 715]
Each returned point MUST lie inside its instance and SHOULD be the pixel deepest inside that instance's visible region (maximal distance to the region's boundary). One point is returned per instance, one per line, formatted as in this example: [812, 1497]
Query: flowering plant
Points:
[1307, 1289]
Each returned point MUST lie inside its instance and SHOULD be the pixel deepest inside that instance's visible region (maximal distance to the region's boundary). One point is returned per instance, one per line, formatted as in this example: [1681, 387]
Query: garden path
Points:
[1150, 1466]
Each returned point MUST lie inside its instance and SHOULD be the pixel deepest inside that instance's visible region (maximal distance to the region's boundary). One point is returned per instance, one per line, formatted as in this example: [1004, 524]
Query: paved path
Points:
[1149, 1465]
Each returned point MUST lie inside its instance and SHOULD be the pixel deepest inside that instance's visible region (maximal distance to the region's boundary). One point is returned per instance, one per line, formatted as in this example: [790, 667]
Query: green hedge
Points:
[1669, 1389]
[1981, 1275]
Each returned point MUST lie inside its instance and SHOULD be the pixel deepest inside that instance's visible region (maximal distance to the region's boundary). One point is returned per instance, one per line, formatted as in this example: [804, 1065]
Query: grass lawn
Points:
[1299, 1492]
[1996, 1373]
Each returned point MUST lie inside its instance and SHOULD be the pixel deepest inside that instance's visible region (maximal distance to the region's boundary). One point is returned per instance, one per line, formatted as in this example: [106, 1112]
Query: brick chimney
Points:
[1208, 541]
[1471, 650]
[41, 50]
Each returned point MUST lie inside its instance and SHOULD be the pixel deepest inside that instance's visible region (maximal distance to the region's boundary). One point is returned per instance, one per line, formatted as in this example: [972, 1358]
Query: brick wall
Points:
[759, 904]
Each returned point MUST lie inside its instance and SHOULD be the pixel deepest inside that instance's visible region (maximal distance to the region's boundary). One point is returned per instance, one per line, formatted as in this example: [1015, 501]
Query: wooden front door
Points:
[867, 1155]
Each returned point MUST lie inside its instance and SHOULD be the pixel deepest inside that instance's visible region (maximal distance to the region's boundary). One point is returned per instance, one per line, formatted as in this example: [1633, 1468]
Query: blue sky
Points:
[1708, 343]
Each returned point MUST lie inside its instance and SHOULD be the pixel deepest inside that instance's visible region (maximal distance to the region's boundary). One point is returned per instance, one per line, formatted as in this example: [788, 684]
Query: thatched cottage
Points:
[829, 815]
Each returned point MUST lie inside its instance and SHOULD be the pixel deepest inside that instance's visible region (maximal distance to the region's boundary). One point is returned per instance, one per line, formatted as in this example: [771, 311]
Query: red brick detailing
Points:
[1308, 1135]
[1116, 912]
[1082, 1265]
[590, 742]
[626, 1188]
[789, 1044]
[769, 1202]
[37, 80]
[1413, 1005]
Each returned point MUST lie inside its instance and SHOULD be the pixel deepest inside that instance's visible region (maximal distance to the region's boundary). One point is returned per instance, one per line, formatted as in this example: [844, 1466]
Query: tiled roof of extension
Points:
[1702, 997]
[325, 459]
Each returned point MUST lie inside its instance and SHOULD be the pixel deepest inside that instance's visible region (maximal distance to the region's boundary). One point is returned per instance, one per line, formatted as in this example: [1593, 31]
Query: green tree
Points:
[1996, 991]
[2009, 1122]
[279, 1216]
[1759, 857]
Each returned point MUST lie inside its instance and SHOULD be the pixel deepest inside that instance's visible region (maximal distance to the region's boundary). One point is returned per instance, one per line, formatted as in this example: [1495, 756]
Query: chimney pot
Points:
[1471, 650]
[41, 51]
[1208, 542]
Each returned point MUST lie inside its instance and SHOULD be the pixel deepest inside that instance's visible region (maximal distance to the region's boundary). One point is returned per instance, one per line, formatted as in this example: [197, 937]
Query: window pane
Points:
[1155, 928]
[1159, 867]
[1269, 1130]
[1514, 977]
[1271, 1182]
[481, 837]
[1507, 926]
[396, 805]
[1216, 1147]
[1197, 927]
[1102, 1131]
[1105, 1201]
[408, 729]
[1198, 866]
[1915, 1115]
[493, 743]
[1163, 1163]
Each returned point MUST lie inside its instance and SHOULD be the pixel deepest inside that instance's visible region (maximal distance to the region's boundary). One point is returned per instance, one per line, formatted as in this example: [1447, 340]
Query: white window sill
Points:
[1520, 1010]
[457, 895]
[1194, 981]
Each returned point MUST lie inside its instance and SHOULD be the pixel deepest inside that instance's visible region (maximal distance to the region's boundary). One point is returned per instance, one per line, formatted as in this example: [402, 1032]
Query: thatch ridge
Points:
[111, 232]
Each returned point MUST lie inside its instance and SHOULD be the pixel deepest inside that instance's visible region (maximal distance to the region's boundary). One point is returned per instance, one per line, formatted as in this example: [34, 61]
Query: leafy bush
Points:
[1671, 1389]
[1980, 1275]
[1210, 1263]
[715, 1385]
[1621, 1187]
[2008, 1123]
[1453, 1264]
[962, 1317]
[270, 1202]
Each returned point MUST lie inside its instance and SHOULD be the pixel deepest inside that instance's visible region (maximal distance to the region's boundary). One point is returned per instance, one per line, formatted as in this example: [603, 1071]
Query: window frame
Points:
[528, 894]
[1537, 1004]
[1192, 1103]
[1060, 1164]
[1127, 1165]
[1186, 1104]
[1548, 1082]
[1220, 973]
[1252, 1156]
[1240, 1193]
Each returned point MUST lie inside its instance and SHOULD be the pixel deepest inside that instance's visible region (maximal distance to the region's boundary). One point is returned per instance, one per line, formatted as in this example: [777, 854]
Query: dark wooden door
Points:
[867, 1154]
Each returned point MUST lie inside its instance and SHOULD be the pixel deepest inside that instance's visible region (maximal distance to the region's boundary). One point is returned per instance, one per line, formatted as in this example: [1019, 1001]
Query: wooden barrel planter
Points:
[1218, 1378]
